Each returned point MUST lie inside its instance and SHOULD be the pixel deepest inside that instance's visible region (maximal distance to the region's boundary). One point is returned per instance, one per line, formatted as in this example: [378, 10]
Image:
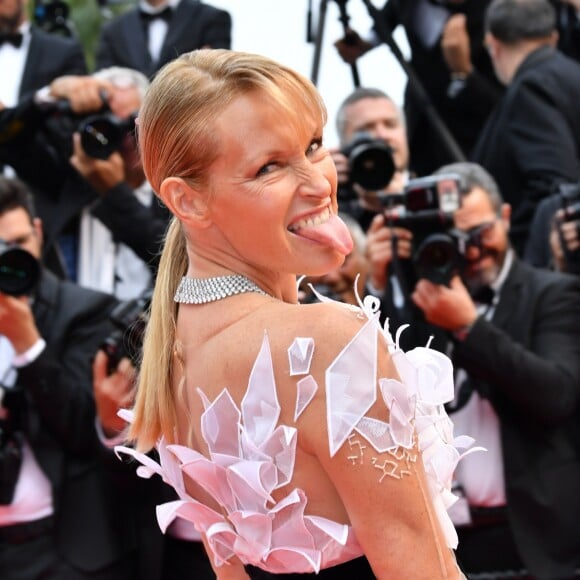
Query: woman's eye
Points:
[265, 169]
[314, 146]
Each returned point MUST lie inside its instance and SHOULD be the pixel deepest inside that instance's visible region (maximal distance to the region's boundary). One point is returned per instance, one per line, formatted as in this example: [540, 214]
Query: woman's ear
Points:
[186, 203]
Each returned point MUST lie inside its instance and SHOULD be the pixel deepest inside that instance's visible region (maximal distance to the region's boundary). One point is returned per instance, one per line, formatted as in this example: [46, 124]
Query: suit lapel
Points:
[510, 298]
[138, 51]
[185, 13]
[33, 62]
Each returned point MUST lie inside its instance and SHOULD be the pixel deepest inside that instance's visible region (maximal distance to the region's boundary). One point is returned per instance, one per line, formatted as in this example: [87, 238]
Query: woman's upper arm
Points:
[384, 492]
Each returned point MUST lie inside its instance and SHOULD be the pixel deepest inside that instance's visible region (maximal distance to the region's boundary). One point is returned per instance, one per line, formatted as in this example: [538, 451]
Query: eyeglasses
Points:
[480, 235]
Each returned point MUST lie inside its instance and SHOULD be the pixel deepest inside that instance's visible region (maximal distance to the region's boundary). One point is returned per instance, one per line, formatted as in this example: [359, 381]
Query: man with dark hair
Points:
[56, 520]
[531, 141]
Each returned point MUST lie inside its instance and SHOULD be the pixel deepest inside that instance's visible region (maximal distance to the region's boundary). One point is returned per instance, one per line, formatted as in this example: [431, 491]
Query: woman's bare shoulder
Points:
[328, 323]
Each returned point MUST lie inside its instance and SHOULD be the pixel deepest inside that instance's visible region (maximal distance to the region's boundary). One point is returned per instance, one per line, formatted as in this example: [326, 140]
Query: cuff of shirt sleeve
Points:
[109, 442]
[30, 355]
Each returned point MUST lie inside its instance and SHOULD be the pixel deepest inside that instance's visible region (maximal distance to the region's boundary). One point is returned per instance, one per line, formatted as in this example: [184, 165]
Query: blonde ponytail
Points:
[155, 412]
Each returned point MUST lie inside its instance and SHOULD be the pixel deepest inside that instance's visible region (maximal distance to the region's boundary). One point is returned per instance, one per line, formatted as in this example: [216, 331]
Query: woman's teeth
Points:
[311, 221]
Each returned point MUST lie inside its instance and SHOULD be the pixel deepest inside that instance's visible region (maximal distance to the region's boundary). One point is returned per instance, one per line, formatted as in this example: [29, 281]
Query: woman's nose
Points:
[314, 182]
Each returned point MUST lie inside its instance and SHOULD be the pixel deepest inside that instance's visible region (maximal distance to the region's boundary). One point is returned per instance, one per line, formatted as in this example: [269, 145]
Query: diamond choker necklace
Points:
[203, 290]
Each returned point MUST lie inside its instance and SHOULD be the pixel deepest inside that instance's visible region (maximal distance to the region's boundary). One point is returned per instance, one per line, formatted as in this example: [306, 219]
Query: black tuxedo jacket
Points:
[123, 41]
[526, 361]
[49, 57]
[532, 139]
[60, 419]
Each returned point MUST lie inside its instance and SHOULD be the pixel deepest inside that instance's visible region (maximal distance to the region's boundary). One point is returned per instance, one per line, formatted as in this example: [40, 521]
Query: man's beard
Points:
[10, 23]
[474, 280]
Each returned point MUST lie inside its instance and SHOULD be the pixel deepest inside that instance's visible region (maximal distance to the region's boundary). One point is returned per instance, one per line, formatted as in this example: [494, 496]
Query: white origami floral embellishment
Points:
[305, 390]
[300, 355]
[351, 385]
[251, 456]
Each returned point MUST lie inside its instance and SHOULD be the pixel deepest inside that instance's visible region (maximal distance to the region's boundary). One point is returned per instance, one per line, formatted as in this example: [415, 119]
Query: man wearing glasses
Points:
[514, 335]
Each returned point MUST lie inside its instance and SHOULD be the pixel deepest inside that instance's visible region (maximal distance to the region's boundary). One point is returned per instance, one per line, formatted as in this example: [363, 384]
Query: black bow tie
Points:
[148, 17]
[483, 295]
[14, 38]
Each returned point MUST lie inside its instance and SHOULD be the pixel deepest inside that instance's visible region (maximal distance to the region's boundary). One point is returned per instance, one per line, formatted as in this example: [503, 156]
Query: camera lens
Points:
[19, 271]
[101, 136]
[371, 162]
[437, 259]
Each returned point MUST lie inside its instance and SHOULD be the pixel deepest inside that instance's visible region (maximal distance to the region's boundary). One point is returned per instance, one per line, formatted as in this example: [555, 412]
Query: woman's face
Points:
[273, 190]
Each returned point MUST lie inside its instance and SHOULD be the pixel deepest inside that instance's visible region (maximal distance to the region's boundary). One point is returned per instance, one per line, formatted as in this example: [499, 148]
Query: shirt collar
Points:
[503, 273]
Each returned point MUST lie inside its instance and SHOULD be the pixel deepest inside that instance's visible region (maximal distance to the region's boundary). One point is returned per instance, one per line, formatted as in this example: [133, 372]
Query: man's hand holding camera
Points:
[101, 174]
[113, 391]
[449, 307]
[83, 93]
[17, 322]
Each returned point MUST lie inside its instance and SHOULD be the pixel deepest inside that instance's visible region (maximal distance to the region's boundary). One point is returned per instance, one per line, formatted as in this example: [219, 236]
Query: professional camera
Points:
[370, 161]
[570, 203]
[426, 207]
[103, 134]
[126, 341]
[19, 270]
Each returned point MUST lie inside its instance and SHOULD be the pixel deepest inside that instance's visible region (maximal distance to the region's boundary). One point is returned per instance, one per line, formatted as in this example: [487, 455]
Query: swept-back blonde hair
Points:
[177, 138]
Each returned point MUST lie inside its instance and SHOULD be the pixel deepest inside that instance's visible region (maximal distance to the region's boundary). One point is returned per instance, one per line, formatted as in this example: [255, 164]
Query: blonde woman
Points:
[298, 437]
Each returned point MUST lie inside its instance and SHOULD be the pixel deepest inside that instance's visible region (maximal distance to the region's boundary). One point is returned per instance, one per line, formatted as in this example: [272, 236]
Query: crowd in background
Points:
[490, 123]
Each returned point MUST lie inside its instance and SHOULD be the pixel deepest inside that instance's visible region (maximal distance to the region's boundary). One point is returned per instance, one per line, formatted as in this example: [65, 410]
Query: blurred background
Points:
[276, 28]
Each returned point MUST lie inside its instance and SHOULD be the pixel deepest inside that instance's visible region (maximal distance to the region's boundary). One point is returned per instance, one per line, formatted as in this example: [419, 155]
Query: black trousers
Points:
[28, 552]
[489, 552]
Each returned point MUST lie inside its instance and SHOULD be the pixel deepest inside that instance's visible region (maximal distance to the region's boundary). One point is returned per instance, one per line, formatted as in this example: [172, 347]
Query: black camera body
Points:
[126, 341]
[103, 134]
[370, 161]
[426, 208]
[19, 270]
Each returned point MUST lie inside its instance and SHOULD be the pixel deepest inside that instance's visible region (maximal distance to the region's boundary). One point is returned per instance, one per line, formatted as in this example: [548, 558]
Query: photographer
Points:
[56, 518]
[179, 553]
[554, 241]
[450, 61]
[90, 168]
[515, 338]
[373, 155]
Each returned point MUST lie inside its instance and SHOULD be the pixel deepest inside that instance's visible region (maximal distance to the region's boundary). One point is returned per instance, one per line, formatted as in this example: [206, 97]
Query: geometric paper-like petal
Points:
[300, 355]
[252, 482]
[305, 390]
[351, 385]
[435, 375]
[377, 433]
[260, 407]
[401, 426]
[220, 424]
[280, 449]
